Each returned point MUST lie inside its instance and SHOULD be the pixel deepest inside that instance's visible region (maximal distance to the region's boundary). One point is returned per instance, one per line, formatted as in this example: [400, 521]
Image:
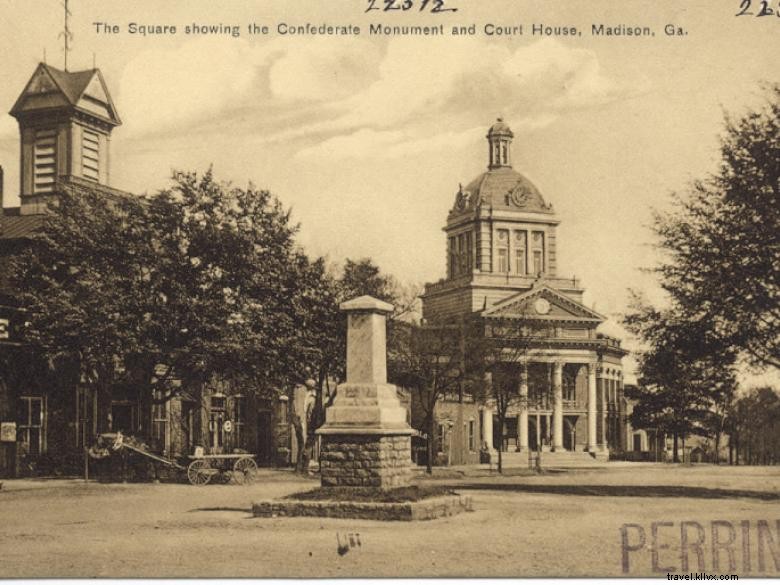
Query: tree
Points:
[722, 240]
[196, 281]
[755, 427]
[686, 375]
[324, 327]
[429, 360]
[505, 344]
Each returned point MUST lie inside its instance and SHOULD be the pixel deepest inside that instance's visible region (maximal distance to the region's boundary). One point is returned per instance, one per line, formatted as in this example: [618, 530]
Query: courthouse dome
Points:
[500, 187]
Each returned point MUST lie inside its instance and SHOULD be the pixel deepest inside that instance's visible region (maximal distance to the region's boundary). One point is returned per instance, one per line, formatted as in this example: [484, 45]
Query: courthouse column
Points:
[487, 426]
[558, 406]
[592, 407]
[487, 413]
[522, 427]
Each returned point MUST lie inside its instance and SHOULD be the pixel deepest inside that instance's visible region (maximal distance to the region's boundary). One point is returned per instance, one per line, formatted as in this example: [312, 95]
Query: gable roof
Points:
[562, 307]
[50, 87]
[14, 226]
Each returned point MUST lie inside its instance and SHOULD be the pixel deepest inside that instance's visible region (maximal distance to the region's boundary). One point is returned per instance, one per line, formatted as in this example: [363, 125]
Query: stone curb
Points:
[428, 509]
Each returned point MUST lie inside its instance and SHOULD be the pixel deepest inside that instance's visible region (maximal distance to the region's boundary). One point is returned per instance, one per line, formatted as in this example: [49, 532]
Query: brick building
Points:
[66, 120]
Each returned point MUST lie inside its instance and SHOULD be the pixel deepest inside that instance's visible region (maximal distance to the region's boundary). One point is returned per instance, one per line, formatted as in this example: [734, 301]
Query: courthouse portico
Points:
[502, 268]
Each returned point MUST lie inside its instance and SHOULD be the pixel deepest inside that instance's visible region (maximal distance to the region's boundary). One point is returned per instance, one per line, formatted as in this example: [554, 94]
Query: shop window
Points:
[32, 434]
[160, 420]
[472, 436]
[217, 418]
[84, 417]
[281, 411]
[239, 421]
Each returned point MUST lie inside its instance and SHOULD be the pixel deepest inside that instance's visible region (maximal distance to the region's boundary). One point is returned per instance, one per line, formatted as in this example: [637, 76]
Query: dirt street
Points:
[558, 524]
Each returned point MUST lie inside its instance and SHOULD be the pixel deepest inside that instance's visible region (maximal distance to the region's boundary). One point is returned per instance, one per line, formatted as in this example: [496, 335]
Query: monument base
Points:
[360, 460]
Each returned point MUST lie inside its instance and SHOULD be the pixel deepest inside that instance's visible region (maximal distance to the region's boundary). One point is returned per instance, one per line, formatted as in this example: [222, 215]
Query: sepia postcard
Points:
[390, 289]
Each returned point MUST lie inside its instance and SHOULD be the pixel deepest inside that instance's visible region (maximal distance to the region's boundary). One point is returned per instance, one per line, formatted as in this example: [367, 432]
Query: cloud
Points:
[335, 100]
[424, 93]
[366, 142]
[207, 80]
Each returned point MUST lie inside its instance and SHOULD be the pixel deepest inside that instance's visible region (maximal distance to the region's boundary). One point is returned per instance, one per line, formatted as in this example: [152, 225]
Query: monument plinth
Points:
[366, 441]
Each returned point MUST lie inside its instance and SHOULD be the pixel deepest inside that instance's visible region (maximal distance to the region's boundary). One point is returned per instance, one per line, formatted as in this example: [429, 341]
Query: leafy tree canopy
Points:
[722, 240]
[200, 279]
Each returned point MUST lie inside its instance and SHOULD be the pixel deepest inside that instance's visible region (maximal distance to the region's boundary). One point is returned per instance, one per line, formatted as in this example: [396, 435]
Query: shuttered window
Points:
[90, 155]
[45, 171]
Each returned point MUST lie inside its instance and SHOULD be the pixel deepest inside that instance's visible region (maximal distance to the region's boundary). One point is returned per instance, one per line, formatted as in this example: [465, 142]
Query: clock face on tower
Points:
[542, 306]
[519, 195]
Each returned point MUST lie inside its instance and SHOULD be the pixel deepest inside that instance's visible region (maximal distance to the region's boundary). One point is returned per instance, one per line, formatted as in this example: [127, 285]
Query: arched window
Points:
[538, 252]
[569, 386]
[520, 251]
[453, 253]
[502, 251]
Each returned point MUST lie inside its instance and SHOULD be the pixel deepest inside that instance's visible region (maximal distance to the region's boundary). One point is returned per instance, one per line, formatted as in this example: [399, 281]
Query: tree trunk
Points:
[500, 466]
[430, 444]
[675, 451]
[301, 460]
[717, 448]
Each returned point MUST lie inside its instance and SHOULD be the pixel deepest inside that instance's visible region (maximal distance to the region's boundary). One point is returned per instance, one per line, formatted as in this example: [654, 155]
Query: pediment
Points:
[95, 90]
[50, 88]
[543, 303]
[41, 82]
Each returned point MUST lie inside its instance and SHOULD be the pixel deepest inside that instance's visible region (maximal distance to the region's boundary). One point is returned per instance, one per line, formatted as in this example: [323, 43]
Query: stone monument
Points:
[366, 441]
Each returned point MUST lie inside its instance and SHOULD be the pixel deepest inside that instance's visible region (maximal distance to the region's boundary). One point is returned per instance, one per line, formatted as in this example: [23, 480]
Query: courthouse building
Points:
[65, 124]
[502, 265]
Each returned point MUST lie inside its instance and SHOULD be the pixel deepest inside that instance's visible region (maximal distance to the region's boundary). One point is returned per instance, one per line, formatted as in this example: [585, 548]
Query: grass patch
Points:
[413, 493]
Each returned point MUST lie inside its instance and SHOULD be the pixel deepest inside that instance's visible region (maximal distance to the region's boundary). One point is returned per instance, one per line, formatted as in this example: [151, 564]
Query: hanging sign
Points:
[227, 426]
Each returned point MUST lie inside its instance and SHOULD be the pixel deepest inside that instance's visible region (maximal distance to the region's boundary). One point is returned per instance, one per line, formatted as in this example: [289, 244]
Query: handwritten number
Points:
[765, 10]
[438, 6]
[743, 8]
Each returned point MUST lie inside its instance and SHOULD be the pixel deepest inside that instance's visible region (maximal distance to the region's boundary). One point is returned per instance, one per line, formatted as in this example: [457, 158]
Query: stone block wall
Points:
[382, 461]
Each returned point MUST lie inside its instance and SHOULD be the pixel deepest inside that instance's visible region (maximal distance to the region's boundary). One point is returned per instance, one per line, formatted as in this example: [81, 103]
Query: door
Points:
[188, 423]
[265, 437]
[122, 417]
[570, 433]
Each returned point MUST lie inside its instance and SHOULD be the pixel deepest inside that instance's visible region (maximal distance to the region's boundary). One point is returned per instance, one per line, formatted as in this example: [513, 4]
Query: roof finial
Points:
[66, 35]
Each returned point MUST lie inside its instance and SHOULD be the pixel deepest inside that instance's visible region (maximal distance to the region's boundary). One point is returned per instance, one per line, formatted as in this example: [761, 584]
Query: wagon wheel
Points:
[244, 470]
[199, 472]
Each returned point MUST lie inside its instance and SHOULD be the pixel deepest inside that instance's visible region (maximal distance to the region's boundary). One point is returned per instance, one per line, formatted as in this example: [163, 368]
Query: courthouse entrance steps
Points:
[563, 459]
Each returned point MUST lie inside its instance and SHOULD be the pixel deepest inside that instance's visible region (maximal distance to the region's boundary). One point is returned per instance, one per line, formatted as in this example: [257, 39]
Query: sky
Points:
[367, 138]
